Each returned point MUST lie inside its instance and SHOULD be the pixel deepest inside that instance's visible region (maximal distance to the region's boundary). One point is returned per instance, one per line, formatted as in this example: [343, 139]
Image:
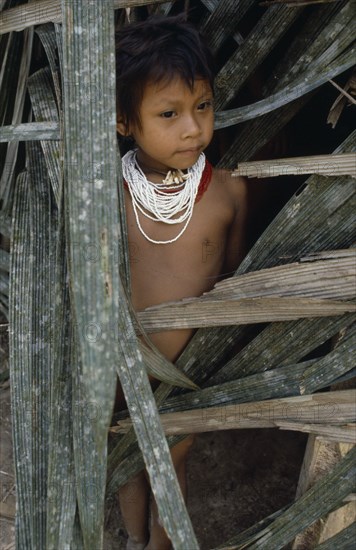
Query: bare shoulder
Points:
[233, 187]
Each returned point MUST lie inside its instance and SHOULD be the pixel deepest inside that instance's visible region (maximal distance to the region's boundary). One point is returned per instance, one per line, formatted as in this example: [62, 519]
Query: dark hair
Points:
[157, 50]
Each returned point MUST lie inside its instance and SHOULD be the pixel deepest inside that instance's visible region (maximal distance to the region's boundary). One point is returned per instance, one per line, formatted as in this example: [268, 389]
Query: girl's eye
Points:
[168, 114]
[205, 105]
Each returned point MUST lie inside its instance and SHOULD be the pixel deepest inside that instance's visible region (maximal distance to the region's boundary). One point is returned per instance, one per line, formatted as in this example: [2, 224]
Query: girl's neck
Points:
[158, 176]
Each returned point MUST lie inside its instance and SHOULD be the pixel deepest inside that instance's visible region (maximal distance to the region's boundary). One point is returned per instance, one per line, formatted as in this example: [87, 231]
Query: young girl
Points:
[185, 220]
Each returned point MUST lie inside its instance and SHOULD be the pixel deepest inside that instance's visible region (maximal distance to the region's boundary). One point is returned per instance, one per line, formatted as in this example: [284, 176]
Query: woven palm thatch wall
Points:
[64, 281]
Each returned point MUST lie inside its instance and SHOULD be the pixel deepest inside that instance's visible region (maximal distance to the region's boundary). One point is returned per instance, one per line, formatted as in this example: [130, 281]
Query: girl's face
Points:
[177, 124]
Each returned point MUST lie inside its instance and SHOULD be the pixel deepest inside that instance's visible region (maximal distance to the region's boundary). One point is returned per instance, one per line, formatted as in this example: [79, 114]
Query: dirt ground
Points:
[235, 478]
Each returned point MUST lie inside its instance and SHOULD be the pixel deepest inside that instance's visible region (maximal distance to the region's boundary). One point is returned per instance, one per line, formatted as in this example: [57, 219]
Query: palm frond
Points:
[323, 408]
[93, 216]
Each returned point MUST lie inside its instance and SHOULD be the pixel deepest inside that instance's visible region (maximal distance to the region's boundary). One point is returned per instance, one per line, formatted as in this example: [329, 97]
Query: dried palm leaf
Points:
[311, 80]
[30, 131]
[309, 43]
[200, 313]
[20, 358]
[62, 495]
[212, 5]
[4, 260]
[324, 26]
[5, 224]
[294, 3]
[93, 212]
[342, 100]
[286, 381]
[223, 21]
[330, 408]
[31, 346]
[316, 275]
[270, 28]
[21, 57]
[161, 9]
[44, 108]
[45, 11]
[48, 38]
[335, 165]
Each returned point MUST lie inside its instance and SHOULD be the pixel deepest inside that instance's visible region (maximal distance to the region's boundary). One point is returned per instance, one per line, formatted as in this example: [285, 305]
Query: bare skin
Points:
[210, 249]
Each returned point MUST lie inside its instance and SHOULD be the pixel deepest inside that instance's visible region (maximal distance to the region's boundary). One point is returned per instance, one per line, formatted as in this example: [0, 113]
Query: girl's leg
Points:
[158, 538]
[134, 499]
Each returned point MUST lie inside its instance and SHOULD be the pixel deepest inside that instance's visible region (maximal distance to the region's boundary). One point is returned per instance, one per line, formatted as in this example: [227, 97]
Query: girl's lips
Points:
[191, 151]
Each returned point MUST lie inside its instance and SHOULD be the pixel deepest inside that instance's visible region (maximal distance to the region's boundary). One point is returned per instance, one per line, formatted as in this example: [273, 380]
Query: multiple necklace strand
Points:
[170, 202]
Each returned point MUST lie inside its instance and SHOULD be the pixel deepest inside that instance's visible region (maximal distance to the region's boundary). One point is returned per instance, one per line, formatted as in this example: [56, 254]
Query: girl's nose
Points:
[191, 127]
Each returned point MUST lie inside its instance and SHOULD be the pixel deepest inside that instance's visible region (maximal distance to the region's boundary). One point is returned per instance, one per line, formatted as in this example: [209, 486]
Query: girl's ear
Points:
[121, 127]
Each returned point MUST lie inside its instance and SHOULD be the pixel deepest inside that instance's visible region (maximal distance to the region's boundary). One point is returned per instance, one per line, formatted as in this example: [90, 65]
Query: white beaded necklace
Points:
[151, 198]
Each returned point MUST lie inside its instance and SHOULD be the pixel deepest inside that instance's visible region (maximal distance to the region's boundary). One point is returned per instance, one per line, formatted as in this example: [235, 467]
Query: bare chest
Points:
[186, 267]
